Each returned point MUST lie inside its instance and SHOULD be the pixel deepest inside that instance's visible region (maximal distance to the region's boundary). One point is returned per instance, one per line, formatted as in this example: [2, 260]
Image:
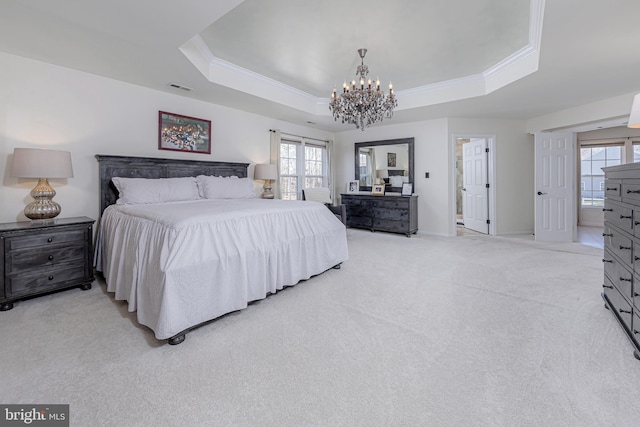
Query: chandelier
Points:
[362, 104]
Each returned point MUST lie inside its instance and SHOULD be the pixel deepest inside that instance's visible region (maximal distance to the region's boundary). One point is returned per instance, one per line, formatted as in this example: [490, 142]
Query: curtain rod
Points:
[300, 136]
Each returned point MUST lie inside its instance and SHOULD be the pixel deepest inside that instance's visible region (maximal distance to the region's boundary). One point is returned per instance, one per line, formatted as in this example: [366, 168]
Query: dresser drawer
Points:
[391, 226]
[619, 243]
[618, 304]
[631, 190]
[618, 215]
[19, 261]
[42, 240]
[396, 203]
[44, 281]
[618, 274]
[612, 189]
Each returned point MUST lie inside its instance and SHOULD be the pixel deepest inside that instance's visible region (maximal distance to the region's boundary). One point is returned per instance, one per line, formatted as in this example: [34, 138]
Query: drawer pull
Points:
[635, 331]
[622, 279]
[635, 258]
[635, 294]
[50, 239]
[633, 191]
[625, 216]
[636, 222]
[624, 311]
[608, 287]
[50, 277]
[625, 248]
[606, 260]
[607, 210]
[612, 188]
[607, 234]
[50, 257]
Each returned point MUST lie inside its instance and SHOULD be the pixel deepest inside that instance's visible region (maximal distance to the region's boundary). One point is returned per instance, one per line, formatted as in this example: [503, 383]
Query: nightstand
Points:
[41, 257]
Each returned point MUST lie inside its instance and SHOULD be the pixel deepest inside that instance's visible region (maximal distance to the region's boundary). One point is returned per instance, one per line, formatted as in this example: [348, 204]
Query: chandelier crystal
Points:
[362, 103]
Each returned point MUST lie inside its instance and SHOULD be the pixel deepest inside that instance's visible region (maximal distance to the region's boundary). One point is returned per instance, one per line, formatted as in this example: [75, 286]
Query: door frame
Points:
[491, 170]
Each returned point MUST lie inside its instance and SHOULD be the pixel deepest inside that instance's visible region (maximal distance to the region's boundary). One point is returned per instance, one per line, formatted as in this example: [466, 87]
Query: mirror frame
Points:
[410, 151]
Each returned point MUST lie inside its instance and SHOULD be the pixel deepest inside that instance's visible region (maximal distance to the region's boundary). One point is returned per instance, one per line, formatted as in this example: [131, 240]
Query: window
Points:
[636, 152]
[592, 159]
[302, 162]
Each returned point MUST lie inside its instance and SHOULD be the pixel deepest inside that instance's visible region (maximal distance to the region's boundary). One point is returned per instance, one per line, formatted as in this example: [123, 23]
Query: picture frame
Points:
[407, 188]
[183, 133]
[391, 160]
[377, 189]
[353, 186]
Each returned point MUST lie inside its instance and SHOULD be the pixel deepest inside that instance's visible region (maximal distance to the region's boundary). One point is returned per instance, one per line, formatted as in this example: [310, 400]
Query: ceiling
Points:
[513, 59]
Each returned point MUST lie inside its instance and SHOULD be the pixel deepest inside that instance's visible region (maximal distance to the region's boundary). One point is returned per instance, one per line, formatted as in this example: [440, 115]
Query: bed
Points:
[182, 263]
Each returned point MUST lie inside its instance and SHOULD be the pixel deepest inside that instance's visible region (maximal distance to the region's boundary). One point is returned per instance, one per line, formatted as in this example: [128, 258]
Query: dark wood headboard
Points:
[149, 167]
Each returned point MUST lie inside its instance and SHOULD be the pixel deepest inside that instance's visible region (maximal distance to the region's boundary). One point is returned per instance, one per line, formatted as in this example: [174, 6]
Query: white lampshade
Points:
[41, 163]
[265, 172]
[382, 173]
[634, 117]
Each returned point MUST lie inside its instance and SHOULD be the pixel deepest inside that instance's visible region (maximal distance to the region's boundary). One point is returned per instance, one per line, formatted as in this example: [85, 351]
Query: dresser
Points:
[42, 257]
[394, 214]
[621, 288]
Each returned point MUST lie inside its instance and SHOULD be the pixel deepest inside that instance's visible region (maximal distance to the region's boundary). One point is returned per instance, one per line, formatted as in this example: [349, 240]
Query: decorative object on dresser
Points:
[183, 133]
[407, 188]
[41, 164]
[395, 214]
[39, 258]
[621, 288]
[353, 186]
[266, 172]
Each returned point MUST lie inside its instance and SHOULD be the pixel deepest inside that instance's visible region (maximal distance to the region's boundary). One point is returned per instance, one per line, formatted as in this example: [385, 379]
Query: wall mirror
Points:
[389, 161]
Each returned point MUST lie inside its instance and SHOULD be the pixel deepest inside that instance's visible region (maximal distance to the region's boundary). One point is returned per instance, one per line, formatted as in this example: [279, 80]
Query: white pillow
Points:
[231, 187]
[142, 190]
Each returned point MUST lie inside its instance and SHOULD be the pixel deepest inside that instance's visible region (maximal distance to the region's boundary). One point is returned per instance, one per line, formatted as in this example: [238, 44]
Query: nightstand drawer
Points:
[30, 259]
[42, 240]
[44, 281]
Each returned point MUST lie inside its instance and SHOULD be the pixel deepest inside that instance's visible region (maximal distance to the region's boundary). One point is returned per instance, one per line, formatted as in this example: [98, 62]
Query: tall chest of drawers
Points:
[40, 257]
[621, 288]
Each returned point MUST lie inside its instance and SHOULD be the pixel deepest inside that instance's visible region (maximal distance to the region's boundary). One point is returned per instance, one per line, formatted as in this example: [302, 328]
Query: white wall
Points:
[430, 156]
[46, 106]
[514, 171]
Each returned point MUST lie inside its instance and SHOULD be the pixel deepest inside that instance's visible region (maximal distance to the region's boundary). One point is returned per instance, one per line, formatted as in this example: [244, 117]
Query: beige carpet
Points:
[467, 331]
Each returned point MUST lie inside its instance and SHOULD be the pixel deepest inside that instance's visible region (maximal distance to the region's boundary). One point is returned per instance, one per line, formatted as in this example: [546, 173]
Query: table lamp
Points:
[41, 164]
[266, 172]
[381, 174]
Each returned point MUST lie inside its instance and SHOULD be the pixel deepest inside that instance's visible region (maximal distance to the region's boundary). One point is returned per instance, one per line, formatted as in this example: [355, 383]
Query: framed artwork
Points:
[407, 188]
[391, 160]
[377, 189]
[353, 186]
[183, 133]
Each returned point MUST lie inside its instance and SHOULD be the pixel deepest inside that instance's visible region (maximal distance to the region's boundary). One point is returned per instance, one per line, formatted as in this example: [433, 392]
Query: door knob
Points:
[540, 193]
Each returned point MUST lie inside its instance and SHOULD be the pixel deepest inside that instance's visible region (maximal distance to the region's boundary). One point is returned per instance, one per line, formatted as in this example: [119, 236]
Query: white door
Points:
[475, 200]
[555, 212]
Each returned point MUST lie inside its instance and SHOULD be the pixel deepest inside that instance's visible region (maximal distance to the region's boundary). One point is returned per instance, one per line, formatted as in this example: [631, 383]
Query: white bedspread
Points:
[180, 264]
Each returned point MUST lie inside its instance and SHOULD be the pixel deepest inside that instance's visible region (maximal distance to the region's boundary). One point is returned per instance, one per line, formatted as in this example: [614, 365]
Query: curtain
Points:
[275, 159]
[331, 172]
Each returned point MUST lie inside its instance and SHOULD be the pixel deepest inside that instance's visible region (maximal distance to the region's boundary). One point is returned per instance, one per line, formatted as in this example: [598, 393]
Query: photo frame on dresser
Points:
[377, 189]
[353, 186]
[407, 188]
